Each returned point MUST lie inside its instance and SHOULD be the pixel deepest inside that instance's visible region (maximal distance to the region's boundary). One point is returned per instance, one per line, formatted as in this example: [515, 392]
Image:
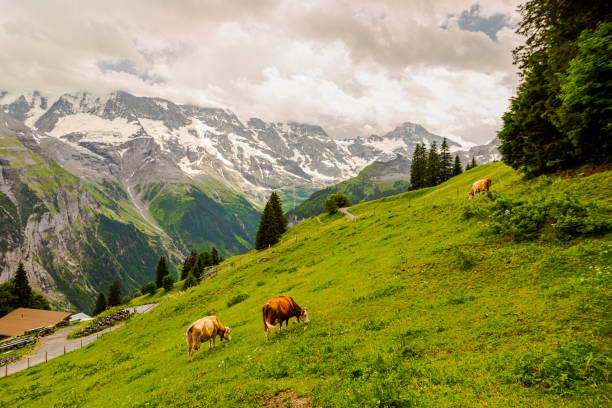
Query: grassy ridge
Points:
[412, 304]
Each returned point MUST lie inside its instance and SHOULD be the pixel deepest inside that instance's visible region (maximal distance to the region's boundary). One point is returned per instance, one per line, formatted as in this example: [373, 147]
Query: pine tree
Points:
[268, 232]
[473, 164]
[418, 167]
[100, 304]
[190, 281]
[21, 287]
[457, 166]
[114, 293]
[188, 264]
[216, 259]
[279, 216]
[162, 270]
[207, 259]
[432, 175]
[446, 162]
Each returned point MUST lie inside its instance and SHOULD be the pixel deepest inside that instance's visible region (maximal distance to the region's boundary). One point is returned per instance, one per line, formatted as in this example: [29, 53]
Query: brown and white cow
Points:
[279, 310]
[207, 328]
[481, 186]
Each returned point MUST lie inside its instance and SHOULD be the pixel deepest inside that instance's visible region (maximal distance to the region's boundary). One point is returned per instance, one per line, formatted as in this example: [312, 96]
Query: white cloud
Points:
[354, 67]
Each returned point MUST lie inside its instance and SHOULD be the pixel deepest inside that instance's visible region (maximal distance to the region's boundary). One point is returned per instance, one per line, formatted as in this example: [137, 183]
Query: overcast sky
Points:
[354, 67]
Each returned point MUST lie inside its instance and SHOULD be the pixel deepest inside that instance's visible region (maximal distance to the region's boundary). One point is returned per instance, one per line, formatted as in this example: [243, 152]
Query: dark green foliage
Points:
[137, 294]
[279, 216]
[188, 264]
[471, 164]
[562, 370]
[216, 259]
[585, 113]
[114, 293]
[125, 300]
[457, 169]
[446, 162]
[418, 167]
[432, 175]
[150, 288]
[168, 282]
[161, 271]
[536, 131]
[190, 281]
[527, 219]
[198, 267]
[336, 201]
[21, 286]
[241, 297]
[100, 304]
[8, 299]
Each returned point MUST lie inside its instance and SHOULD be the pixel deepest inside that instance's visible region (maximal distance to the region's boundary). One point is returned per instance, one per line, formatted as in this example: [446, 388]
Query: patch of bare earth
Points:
[285, 399]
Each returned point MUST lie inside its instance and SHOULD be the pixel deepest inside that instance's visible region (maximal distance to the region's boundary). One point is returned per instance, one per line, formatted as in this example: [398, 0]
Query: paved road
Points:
[57, 344]
[344, 210]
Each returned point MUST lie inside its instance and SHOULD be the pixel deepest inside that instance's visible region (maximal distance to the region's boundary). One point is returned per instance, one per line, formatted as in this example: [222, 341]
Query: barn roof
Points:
[23, 318]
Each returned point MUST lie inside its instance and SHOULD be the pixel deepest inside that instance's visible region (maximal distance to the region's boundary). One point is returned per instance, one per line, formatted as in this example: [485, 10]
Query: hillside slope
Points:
[412, 304]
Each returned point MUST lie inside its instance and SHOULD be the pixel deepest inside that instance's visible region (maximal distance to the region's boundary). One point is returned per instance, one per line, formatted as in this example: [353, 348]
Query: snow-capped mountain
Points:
[141, 139]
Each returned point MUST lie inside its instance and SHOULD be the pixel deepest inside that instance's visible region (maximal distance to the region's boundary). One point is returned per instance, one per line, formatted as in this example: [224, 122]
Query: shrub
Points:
[464, 259]
[137, 294]
[241, 297]
[168, 282]
[149, 288]
[560, 372]
[335, 201]
[190, 281]
[125, 300]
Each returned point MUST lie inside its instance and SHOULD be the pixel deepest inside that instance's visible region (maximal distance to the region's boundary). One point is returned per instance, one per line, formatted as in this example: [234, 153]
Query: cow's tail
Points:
[188, 336]
[265, 310]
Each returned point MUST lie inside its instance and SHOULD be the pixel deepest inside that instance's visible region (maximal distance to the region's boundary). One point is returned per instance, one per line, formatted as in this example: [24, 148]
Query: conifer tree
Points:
[198, 268]
[190, 281]
[473, 164]
[100, 304]
[21, 287]
[216, 259]
[457, 166]
[188, 264]
[432, 175]
[446, 162]
[207, 259]
[279, 216]
[162, 270]
[114, 294]
[418, 167]
[268, 232]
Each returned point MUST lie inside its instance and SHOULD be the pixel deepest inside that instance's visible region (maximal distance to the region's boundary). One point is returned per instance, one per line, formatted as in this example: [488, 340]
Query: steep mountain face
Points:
[73, 237]
[379, 179]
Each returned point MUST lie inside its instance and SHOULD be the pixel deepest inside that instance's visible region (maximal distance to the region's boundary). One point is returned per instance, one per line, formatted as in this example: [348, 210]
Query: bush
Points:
[237, 299]
[137, 294]
[190, 281]
[335, 201]
[125, 300]
[526, 220]
[561, 371]
[149, 288]
[168, 282]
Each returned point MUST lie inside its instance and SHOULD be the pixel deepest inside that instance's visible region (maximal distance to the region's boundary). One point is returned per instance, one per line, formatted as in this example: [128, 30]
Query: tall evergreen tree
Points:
[100, 304]
[457, 169]
[270, 226]
[161, 271]
[198, 267]
[432, 175]
[114, 293]
[446, 162]
[21, 287]
[188, 264]
[279, 216]
[418, 167]
[473, 163]
[207, 259]
[216, 259]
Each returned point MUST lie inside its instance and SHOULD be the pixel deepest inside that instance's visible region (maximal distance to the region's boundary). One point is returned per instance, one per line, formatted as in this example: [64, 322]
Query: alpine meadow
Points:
[306, 204]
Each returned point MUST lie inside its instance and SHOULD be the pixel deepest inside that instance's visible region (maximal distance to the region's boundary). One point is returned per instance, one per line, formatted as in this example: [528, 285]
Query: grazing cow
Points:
[279, 310]
[481, 186]
[207, 328]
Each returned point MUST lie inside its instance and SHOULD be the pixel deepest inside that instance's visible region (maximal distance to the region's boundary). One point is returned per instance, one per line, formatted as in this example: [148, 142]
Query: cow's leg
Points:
[213, 339]
[266, 332]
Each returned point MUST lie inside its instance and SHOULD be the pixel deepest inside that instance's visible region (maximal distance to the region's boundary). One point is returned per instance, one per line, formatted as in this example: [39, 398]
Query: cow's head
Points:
[304, 316]
[225, 334]
[470, 195]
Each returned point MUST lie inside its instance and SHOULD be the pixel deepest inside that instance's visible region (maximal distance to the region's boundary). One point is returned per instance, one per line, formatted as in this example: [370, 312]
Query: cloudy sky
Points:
[355, 67]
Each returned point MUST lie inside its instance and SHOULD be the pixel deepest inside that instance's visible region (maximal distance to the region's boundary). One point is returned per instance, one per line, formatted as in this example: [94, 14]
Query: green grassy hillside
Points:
[424, 300]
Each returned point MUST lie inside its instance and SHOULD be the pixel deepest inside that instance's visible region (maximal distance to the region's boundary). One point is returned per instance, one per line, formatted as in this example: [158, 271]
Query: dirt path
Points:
[57, 344]
[344, 210]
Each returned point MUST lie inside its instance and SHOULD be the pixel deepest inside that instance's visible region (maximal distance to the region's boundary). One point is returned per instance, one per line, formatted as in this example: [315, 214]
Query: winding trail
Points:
[344, 210]
[57, 344]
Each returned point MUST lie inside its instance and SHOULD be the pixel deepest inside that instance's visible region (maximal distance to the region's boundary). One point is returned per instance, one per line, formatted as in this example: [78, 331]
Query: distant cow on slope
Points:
[207, 328]
[481, 186]
[279, 310]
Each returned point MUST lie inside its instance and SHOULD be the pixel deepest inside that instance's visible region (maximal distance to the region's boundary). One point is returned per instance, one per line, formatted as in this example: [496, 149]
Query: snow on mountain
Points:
[192, 142]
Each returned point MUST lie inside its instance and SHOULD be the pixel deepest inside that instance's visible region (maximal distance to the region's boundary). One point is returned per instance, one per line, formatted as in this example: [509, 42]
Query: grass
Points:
[413, 304]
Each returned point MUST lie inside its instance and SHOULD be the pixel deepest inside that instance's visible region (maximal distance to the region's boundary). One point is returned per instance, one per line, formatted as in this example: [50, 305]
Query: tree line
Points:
[561, 116]
[18, 293]
[432, 168]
